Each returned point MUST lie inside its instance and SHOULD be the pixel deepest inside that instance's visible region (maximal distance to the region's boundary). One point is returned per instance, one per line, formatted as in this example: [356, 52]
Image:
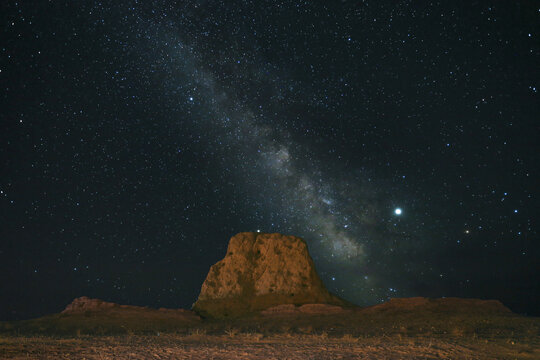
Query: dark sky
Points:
[138, 136]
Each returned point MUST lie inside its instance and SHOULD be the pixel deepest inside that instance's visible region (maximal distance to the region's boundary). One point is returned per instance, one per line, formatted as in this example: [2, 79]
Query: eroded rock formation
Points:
[260, 271]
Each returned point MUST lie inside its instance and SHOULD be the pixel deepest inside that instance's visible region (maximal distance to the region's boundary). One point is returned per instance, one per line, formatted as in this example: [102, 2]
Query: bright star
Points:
[397, 211]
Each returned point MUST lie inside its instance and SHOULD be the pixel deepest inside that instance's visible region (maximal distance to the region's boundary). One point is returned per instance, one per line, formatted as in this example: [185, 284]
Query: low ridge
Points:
[450, 304]
[84, 304]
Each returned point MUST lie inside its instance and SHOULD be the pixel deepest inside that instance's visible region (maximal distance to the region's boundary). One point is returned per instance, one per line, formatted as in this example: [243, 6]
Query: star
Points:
[398, 211]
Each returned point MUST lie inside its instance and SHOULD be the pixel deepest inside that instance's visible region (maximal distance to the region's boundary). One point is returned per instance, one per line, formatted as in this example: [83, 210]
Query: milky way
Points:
[298, 191]
[302, 195]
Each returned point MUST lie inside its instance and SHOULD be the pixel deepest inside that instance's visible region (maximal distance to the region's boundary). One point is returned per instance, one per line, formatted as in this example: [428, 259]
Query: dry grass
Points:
[231, 332]
[348, 338]
[252, 336]
[197, 334]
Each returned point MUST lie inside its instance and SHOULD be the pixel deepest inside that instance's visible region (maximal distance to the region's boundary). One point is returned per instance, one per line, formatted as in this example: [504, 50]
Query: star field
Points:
[399, 139]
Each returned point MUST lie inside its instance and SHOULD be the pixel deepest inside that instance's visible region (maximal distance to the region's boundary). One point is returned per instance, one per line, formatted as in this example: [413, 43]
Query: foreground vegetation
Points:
[361, 333]
[356, 323]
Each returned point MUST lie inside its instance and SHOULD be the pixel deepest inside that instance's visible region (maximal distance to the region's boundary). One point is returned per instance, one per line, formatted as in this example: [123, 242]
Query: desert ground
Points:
[386, 332]
[257, 346]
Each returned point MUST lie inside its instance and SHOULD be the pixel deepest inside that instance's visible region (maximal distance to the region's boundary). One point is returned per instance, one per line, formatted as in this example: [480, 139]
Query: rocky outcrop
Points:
[260, 271]
[85, 304]
[452, 305]
[307, 309]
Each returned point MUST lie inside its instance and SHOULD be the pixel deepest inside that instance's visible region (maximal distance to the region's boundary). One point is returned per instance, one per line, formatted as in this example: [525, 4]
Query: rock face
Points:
[260, 271]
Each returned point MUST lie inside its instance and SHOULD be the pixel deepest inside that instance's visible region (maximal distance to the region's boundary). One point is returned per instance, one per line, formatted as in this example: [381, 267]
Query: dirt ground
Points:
[257, 346]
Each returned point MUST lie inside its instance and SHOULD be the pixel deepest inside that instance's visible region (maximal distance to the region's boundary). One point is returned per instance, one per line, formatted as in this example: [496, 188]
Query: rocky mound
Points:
[260, 271]
[85, 304]
[455, 305]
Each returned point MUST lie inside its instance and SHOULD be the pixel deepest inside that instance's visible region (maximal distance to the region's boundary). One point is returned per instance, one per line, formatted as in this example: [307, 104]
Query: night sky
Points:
[138, 136]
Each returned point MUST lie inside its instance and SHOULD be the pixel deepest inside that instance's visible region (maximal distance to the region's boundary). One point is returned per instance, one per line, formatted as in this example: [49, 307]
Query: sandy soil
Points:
[255, 346]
